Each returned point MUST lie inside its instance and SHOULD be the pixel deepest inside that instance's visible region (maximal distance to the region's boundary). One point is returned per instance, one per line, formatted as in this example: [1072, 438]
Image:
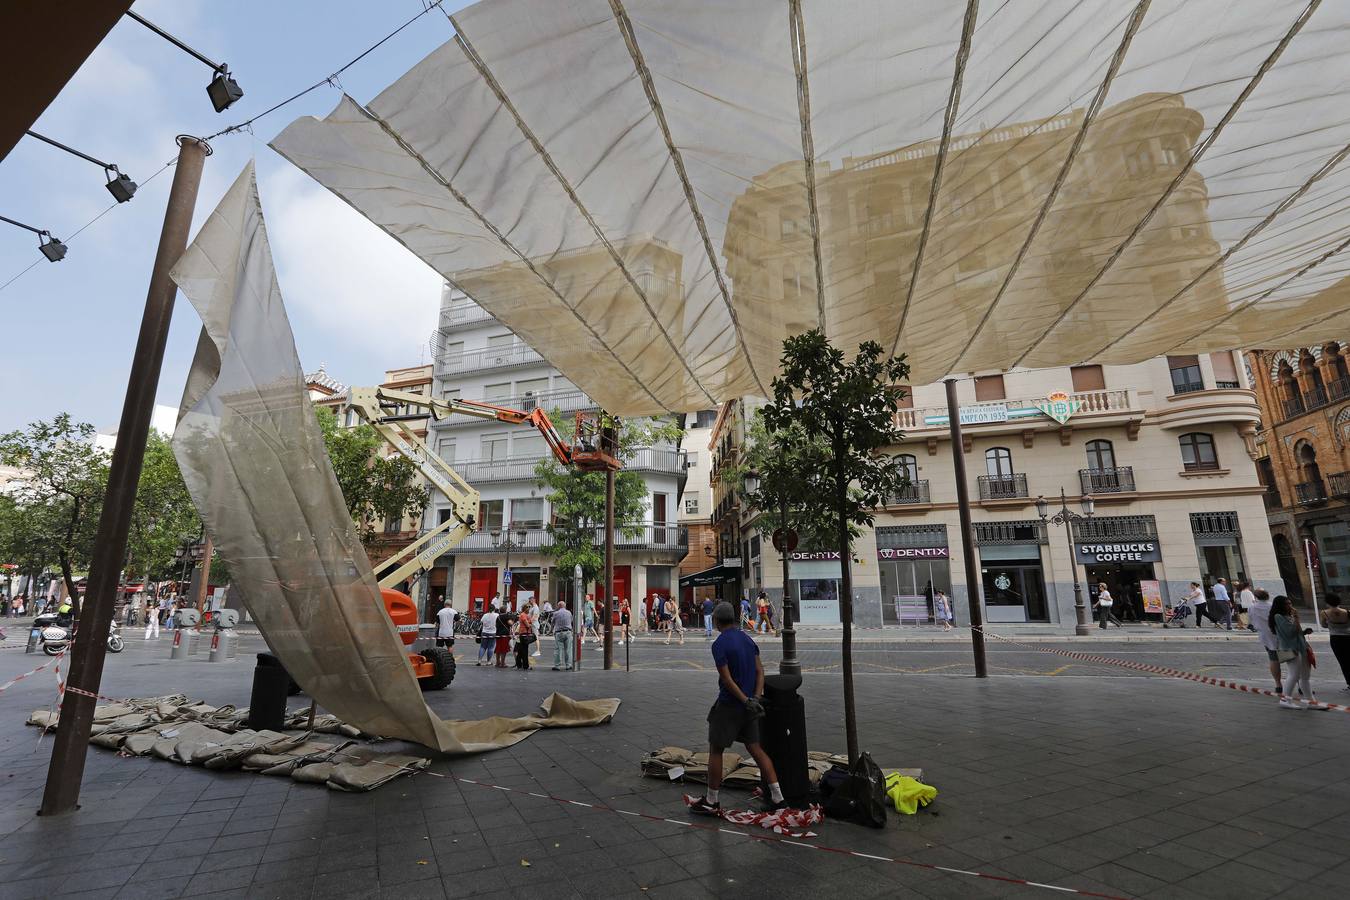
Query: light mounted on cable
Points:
[54, 250]
[119, 185]
[223, 90]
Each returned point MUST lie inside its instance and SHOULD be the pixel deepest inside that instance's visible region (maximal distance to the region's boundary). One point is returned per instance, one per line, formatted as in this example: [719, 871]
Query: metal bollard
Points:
[216, 654]
[180, 649]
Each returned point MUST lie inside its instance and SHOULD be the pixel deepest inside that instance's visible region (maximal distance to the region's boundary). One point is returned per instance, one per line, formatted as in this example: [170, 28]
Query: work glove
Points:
[755, 707]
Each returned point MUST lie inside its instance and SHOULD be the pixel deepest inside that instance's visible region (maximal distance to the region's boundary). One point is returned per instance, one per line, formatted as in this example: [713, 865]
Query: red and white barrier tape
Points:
[1151, 669]
[786, 822]
[56, 659]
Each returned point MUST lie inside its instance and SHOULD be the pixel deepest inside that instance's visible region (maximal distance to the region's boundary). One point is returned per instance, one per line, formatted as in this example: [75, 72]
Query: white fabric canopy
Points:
[654, 193]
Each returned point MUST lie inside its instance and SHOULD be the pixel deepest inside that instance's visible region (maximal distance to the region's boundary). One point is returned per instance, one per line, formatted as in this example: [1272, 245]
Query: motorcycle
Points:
[55, 637]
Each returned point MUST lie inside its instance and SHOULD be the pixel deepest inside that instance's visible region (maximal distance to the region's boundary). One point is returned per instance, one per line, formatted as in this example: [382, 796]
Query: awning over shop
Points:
[654, 193]
[715, 575]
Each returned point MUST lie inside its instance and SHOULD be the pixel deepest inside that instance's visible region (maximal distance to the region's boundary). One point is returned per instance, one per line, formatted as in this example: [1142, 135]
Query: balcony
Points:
[562, 401]
[1114, 480]
[914, 492]
[1311, 493]
[491, 358]
[1201, 465]
[642, 536]
[1338, 484]
[512, 468]
[1003, 487]
[1338, 389]
[1021, 413]
[1272, 499]
[657, 460]
[1293, 406]
[457, 316]
[1227, 385]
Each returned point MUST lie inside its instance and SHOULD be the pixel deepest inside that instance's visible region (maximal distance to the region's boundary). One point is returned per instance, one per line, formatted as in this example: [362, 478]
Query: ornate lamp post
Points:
[1066, 517]
[502, 541]
[784, 540]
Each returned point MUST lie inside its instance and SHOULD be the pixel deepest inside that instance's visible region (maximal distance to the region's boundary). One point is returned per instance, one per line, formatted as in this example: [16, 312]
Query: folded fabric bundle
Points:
[908, 794]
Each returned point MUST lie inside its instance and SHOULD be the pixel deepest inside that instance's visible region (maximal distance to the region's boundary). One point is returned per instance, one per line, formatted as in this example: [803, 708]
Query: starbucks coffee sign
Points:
[1125, 551]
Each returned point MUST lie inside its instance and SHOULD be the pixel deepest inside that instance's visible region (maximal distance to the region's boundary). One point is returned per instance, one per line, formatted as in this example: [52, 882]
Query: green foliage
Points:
[59, 502]
[376, 488]
[851, 406]
[578, 498]
[787, 462]
[164, 518]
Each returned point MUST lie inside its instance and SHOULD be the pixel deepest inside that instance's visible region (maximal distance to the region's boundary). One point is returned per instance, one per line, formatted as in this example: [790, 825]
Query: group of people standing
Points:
[1285, 640]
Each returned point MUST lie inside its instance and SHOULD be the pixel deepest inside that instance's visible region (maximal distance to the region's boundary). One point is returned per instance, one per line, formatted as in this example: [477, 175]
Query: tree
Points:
[164, 517]
[376, 488]
[578, 498]
[851, 405]
[787, 462]
[63, 493]
[20, 546]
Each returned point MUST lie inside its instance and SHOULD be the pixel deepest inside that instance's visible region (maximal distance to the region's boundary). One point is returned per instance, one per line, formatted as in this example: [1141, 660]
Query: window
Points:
[1100, 455]
[531, 386]
[490, 514]
[500, 391]
[453, 352]
[1225, 370]
[989, 387]
[563, 384]
[445, 449]
[910, 465]
[528, 445]
[501, 341]
[998, 462]
[705, 418]
[1087, 378]
[906, 399]
[1185, 374]
[393, 525]
[527, 513]
[1197, 451]
[1139, 161]
[787, 228]
[691, 506]
[443, 515]
[450, 394]
[492, 446]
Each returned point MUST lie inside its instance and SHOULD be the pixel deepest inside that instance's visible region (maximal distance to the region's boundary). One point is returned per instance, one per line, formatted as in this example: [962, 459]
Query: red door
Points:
[621, 592]
[482, 585]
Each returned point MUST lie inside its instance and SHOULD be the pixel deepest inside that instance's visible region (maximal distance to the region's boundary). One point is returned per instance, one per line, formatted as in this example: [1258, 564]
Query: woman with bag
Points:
[1293, 650]
[524, 637]
[1337, 621]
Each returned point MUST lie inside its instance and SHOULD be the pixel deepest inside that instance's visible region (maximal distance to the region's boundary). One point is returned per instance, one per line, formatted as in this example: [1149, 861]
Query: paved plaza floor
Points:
[1127, 786]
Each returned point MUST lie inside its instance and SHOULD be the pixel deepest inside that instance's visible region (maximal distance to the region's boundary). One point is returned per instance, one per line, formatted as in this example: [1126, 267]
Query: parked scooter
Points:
[55, 637]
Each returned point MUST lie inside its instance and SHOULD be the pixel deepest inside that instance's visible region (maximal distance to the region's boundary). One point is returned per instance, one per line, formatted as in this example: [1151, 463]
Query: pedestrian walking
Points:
[535, 621]
[663, 618]
[625, 621]
[151, 622]
[942, 610]
[1245, 600]
[673, 619]
[707, 616]
[1336, 620]
[445, 624]
[1294, 652]
[525, 636]
[487, 637]
[1223, 605]
[737, 713]
[1105, 604]
[1260, 617]
[1196, 601]
[762, 612]
[747, 616]
[562, 637]
[505, 622]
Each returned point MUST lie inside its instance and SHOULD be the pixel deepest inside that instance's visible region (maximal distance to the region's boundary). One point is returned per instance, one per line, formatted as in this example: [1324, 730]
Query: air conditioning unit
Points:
[527, 402]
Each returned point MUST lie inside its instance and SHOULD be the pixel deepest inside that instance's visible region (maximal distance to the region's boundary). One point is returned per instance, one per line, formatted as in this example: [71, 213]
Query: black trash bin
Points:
[784, 735]
[271, 685]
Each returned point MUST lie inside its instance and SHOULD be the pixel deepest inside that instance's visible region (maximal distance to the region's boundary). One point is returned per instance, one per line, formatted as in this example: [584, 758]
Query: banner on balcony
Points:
[1059, 406]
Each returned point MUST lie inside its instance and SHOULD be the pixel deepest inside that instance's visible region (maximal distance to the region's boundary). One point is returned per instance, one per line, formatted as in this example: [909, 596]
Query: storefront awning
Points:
[713, 576]
[655, 193]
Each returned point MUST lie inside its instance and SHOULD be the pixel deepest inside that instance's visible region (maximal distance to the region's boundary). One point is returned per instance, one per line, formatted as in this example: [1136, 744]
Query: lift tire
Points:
[444, 661]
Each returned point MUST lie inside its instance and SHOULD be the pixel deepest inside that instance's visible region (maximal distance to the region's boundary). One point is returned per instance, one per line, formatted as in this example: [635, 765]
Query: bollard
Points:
[180, 649]
[216, 654]
[231, 642]
[783, 732]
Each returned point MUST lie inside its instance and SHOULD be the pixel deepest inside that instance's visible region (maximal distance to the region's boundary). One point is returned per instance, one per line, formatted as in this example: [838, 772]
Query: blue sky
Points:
[358, 301]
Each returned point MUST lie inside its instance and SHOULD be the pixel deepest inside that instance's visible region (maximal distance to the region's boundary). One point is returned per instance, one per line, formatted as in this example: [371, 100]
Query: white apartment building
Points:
[478, 358]
[696, 508]
[1166, 449]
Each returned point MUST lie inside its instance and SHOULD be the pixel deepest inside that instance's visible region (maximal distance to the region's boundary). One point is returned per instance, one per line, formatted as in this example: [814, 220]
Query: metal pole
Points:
[1082, 628]
[204, 582]
[1312, 581]
[789, 665]
[609, 571]
[578, 586]
[967, 532]
[66, 769]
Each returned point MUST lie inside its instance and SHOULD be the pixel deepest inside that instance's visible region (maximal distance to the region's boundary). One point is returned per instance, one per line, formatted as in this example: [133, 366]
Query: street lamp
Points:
[119, 185]
[1066, 517]
[784, 540]
[223, 90]
[504, 542]
[53, 249]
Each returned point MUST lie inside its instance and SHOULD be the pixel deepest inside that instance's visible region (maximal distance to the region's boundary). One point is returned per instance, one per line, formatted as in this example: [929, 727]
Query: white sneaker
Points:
[620, 643]
[1286, 703]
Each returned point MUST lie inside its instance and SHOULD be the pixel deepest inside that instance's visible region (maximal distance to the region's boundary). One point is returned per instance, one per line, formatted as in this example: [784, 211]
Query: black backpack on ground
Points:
[858, 796]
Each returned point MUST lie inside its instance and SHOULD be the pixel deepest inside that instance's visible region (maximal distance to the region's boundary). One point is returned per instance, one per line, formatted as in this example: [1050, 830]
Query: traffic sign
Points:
[784, 540]
[506, 578]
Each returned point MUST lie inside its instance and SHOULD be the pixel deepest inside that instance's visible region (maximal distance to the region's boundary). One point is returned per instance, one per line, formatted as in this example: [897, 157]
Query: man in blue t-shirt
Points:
[736, 714]
[707, 616]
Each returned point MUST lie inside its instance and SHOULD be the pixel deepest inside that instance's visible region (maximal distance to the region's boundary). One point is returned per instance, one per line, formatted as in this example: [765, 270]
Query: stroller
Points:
[1177, 615]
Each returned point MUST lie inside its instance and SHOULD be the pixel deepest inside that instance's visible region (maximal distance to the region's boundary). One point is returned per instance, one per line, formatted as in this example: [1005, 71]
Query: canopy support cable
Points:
[797, 37]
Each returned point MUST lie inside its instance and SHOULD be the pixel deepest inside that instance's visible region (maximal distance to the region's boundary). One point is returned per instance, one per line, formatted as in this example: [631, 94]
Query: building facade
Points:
[478, 358]
[1165, 449]
[1304, 463]
[696, 509]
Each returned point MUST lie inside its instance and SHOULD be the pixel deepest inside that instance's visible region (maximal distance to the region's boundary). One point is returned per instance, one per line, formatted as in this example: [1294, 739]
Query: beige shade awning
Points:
[654, 194]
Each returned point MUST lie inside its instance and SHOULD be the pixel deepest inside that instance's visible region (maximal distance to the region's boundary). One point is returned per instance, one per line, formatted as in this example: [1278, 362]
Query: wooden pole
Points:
[967, 532]
[609, 570]
[66, 769]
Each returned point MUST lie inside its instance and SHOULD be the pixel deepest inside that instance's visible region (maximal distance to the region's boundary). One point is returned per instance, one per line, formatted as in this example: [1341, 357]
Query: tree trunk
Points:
[68, 576]
[846, 617]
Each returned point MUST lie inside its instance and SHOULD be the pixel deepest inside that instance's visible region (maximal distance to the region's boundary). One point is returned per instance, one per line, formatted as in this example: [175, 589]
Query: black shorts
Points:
[729, 723]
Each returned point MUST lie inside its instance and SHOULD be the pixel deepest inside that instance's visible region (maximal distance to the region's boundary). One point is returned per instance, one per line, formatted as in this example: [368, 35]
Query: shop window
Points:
[1087, 378]
[1101, 455]
[1185, 374]
[1197, 451]
[998, 462]
[990, 387]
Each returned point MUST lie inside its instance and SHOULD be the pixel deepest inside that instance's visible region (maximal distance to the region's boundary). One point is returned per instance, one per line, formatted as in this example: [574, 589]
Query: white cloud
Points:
[346, 282]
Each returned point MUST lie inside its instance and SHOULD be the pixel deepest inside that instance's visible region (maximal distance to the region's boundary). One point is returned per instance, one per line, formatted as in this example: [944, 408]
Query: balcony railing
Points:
[653, 459]
[1200, 465]
[1227, 385]
[563, 401]
[1115, 480]
[1338, 388]
[914, 492]
[644, 536]
[513, 468]
[1187, 387]
[1338, 484]
[1293, 406]
[1025, 409]
[1003, 487]
[1311, 493]
[463, 315]
[491, 358]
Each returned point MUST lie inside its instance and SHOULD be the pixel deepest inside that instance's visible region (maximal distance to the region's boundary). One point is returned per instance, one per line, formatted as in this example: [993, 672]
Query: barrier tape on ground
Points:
[782, 821]
[1152, 669]
[721, 829]
[56, 660]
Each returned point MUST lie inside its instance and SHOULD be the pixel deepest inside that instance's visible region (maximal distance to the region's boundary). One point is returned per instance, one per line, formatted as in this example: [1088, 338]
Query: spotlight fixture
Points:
[54, 250]
[223, 89]
[119, 185]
